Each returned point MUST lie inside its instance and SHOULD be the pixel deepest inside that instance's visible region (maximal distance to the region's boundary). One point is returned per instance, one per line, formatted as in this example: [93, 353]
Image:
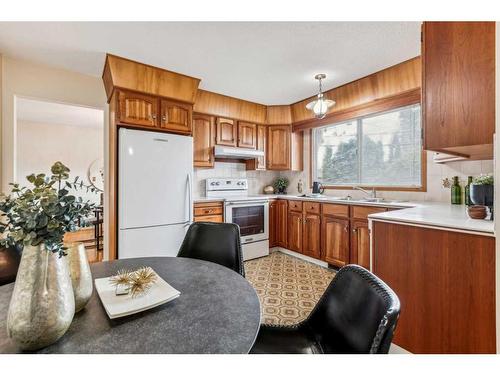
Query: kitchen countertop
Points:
[432, 214]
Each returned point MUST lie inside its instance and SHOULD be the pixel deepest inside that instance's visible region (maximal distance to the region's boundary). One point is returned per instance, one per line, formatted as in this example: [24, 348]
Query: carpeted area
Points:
[288, 287]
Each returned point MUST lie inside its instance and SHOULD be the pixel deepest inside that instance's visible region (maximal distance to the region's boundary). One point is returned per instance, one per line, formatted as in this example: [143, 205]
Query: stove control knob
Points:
[212, 183]
[217, 183]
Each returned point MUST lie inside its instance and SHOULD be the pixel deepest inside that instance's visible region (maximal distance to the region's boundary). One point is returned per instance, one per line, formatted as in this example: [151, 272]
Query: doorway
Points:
[47, 132]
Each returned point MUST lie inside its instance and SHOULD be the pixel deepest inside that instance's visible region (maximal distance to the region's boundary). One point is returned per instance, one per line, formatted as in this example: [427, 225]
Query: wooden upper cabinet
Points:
[137, 109]
[260, 162]
[282, 223]
[176, 117]
[278, 147]
[312, 233]
[247, 135]
[203, 140]
[285, 150]
[226, 132]
[335, 247]
[295, 231]
[458, 86]
[360, 243]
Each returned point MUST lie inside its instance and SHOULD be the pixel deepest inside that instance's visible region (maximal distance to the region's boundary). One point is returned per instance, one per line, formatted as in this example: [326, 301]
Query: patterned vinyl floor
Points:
[288, 287]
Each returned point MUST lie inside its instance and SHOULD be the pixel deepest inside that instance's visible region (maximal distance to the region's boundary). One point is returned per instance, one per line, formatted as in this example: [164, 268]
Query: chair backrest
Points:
[214, 242]
[357, 313]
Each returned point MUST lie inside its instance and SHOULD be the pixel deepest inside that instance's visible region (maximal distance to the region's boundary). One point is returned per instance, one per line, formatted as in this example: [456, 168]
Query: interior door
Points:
[154, 178]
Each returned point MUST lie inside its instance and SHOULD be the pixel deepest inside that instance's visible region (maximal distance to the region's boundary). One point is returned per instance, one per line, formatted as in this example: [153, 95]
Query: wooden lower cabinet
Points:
[295, 231]
[360, 243]
[209, 212]
[311, 244]
[335, 241]
[282, 227]
[446, 284]
[273, 222]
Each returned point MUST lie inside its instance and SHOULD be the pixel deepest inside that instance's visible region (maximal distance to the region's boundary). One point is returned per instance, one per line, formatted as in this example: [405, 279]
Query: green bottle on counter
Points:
[456, 192]
[468, 202]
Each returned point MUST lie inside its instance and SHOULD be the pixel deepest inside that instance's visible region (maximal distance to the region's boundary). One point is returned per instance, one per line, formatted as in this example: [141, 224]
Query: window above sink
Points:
[382, 150]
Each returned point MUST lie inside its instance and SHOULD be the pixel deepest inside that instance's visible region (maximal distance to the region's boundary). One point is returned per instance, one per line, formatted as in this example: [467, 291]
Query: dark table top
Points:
[217, 312]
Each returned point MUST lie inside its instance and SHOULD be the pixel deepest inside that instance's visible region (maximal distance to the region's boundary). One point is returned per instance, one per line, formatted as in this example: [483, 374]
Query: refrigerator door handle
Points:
[190, 199]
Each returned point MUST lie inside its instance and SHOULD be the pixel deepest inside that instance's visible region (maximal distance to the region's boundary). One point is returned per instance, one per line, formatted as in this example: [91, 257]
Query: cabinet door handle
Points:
[354, 230]
[346, 228]
[164, 118]
[153, 117]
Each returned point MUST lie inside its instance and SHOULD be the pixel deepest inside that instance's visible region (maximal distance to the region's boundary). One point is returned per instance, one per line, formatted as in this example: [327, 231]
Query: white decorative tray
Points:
[122, 305]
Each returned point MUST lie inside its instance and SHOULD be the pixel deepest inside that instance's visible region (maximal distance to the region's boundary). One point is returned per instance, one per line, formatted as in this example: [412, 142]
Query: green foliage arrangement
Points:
[281, 184]
[484, 179]
[45, 212]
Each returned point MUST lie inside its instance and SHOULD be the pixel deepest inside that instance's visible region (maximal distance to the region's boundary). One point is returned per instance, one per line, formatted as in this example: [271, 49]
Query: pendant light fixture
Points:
[320, 106]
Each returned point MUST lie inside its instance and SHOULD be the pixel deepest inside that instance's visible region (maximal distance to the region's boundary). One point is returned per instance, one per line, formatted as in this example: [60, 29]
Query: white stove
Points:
[250, 213]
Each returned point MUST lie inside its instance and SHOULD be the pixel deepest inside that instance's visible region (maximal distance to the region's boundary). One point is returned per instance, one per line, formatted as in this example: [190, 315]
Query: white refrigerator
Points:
[155, 202]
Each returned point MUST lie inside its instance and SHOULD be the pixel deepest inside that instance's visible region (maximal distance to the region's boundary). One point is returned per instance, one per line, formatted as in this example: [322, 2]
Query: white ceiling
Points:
[265, 62]
[58, 113]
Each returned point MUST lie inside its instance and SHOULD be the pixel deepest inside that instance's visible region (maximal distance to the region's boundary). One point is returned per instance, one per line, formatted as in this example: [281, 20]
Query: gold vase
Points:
[42, 304]
[81, 277]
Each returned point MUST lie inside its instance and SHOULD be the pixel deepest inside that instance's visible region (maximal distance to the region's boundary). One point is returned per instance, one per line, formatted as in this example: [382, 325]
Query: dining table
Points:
[218, 311]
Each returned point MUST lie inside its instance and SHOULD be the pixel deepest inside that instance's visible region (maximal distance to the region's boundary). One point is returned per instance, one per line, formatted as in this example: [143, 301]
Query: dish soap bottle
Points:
[456, 192]
[468, 202]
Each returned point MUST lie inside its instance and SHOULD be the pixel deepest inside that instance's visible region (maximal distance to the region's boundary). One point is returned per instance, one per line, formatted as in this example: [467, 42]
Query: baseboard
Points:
[300, 256]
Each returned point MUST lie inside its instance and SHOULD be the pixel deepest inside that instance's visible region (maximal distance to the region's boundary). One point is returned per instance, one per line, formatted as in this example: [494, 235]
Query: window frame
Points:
[423, 163]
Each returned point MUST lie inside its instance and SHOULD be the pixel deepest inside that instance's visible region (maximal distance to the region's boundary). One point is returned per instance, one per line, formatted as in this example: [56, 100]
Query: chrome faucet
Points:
[371, 194]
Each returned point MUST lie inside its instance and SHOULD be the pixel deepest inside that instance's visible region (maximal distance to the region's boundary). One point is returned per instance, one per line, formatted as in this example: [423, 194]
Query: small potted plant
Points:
[36, 219]
[281, 184]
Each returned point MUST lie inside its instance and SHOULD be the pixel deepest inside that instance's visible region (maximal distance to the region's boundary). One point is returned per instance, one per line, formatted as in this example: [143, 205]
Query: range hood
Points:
[236, 153]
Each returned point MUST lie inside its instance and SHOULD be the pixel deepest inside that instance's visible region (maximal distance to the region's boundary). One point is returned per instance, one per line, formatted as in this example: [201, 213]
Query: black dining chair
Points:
[214, 242]
[357, 314]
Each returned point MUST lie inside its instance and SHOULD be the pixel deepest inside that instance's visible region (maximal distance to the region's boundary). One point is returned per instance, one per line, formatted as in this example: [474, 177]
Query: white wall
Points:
[435, 174]
[26, 79]
[40, 145]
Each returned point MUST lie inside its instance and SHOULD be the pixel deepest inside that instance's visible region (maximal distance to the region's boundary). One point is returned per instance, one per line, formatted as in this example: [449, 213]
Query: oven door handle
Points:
[245, 203]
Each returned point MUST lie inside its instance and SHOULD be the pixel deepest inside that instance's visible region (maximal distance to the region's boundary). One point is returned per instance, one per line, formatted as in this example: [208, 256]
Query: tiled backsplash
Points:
[258, 179]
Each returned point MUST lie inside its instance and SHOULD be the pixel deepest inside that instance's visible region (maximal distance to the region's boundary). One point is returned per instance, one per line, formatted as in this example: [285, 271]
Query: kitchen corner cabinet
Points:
[458, 87]
[247, 135]
[260, 162]
[284, 148]
[226, 132]
[203, 140]
[278, 218]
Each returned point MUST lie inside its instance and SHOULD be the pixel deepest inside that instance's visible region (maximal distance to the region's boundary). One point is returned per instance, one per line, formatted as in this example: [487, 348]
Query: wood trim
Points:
[379, 105]
[219, 105]
[132, 75]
